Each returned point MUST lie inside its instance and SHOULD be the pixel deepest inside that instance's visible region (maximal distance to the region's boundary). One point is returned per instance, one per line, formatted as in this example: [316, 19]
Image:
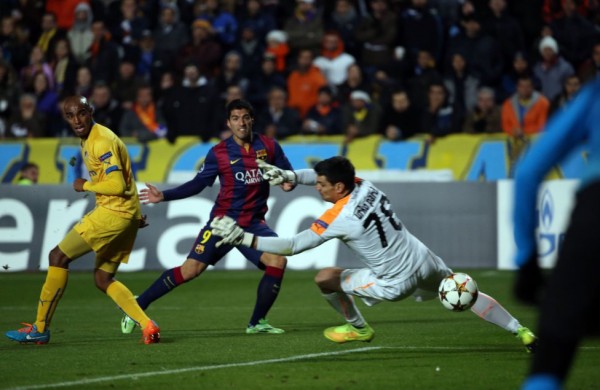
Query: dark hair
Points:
[337, 169]
[28, 165]
[239, 104]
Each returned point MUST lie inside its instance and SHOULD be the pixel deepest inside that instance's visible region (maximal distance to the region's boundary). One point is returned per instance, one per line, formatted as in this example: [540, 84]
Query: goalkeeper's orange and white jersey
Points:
[365, 222]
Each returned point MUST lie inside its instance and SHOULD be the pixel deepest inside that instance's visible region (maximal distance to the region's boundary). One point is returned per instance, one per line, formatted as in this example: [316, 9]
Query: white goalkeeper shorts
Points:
[422, 285]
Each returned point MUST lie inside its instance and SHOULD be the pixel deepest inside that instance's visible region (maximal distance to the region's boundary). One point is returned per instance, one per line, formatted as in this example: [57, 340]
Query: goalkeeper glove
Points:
[276, 176]
[529, 281]
[232, 234]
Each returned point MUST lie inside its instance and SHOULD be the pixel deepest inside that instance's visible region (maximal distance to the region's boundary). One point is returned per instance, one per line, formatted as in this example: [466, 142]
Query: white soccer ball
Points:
[458, 292]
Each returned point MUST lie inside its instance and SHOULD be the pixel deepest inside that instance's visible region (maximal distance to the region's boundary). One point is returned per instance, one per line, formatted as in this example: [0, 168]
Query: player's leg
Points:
[329, 281]
[204, 253]
[567, 312]
[104, 277]
[269, 285]
[70, 248]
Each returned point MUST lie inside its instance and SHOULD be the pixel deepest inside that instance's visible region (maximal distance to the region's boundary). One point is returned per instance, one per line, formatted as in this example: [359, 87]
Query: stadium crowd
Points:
[166, 68]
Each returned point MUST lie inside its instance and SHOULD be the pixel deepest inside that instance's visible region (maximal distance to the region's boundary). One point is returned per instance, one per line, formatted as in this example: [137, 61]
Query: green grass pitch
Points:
[417, 345]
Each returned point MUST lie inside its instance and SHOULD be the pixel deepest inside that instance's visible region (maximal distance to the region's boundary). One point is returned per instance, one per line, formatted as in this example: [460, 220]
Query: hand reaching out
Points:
[151, 194]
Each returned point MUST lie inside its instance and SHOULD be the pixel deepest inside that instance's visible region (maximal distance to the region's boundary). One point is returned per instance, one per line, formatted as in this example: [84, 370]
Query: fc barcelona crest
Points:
[262, 154]
[199, 249]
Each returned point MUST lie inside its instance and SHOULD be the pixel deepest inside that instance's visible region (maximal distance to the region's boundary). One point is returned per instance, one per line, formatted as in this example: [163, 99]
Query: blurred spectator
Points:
[305, 27]
[574, 34]
[126, 85]
[148, 66]
[37, 63]
[571, 86]
[354, 81]
[8, 37]
[303, 83]
[555, 9]
[325, 117]
[9, 93]
[590, 69]
[400, 118]
[203, 49]
[64, 67]
[260, 85]
[277, 46]
[278, 120]
[190, 107]
[333, 61]
[360, 116]
[552, 69]
[423, 74]
[529, 17]
[525, 112]
[28, 174]
[481, 52]
[223, 22]
[81, 35]
[485, 116]
[20, 53]
[47, 104]
[49, 33]
[143, 121]
[64, 11]
[170, 35]
[84, 82]
[505, 29]
[251, 50]
[26, 121]
[230, 74]
[461, 86]
[344, 19]
[421, 29]
[438, 118]
[376, 33]
[520, 67]
[104, 55]
[107, 110]
[29, 14]
[254, 16]
[126, 30]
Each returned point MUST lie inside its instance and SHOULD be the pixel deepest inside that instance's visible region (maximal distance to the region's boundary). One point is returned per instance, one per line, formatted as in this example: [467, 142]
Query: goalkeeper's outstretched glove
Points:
[275, 175]
[232, 234]
[529, 282]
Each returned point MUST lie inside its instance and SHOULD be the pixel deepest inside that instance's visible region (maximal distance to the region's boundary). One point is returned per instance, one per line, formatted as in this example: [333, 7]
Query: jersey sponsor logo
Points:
[251, 176]
[231, 162]
[106, 156]
[262, 154]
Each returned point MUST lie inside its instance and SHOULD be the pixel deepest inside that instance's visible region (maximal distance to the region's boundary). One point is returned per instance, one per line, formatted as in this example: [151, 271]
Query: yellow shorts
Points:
[111, 237]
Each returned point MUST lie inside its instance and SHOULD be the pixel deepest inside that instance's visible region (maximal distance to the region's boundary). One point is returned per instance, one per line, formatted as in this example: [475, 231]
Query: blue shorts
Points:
[205, 250]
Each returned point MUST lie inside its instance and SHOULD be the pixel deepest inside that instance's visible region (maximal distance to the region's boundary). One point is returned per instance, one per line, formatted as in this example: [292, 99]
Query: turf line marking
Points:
[191, 369]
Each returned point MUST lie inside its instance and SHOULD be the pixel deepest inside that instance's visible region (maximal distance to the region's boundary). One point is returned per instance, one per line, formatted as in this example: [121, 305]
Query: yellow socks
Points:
[126, 301]
[52, 291]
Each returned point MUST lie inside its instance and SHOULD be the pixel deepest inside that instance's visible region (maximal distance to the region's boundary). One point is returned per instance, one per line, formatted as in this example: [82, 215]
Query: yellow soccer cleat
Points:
[528, 339]
[343, 333]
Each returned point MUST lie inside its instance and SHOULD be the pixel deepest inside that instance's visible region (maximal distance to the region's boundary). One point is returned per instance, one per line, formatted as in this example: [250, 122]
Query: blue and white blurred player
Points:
[397, 264]
[566, 310]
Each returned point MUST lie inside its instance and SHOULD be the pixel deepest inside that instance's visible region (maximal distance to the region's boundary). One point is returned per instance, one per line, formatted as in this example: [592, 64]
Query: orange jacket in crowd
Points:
[304, 88]
[534, 115]
[64, 11]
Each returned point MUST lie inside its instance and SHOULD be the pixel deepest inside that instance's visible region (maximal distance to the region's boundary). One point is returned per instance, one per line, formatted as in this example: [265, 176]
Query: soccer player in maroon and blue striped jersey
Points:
[243, 196]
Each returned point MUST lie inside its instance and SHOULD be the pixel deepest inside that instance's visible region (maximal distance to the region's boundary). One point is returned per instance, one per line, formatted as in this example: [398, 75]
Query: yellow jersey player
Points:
[109, 230]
